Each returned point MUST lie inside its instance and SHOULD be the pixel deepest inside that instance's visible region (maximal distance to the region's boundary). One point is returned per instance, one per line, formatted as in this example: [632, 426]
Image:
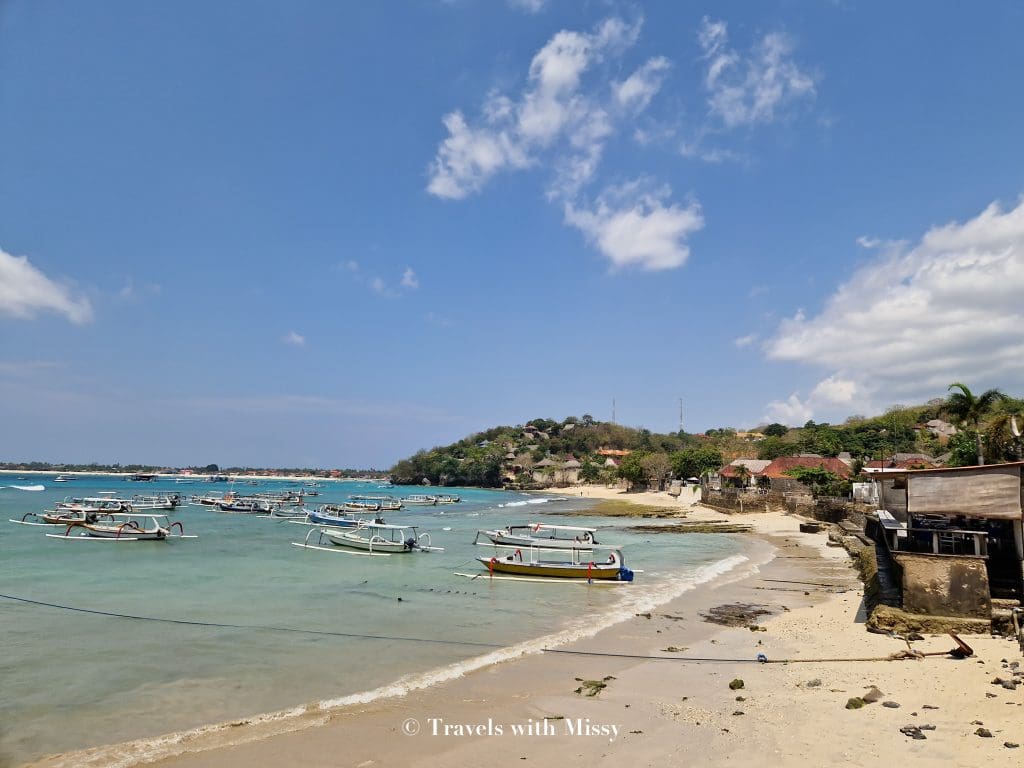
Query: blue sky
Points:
[333, 233]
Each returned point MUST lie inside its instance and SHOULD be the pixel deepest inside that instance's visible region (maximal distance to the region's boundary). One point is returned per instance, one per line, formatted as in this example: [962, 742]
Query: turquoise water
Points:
[72, 679]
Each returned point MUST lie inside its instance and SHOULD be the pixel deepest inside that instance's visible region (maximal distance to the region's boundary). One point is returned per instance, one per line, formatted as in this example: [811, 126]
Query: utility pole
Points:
[680, 414]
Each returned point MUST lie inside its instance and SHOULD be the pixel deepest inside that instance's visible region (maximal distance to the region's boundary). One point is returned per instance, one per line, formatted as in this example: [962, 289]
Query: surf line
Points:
[255, 627]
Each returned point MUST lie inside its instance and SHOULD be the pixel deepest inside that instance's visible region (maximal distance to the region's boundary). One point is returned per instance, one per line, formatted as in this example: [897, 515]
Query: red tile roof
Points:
[783, 464]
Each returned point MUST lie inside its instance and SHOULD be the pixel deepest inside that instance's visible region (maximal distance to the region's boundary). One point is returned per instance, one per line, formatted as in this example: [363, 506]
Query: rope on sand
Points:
[762, 659]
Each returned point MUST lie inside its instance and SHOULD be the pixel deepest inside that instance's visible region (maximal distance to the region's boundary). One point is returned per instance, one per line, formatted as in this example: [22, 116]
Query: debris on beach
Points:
[985, 733]
[674, 649]
[736, 684]
[692, 527]
[735, 614]
[592, 687]
[815, 683]
[855, 702]
[913, 732]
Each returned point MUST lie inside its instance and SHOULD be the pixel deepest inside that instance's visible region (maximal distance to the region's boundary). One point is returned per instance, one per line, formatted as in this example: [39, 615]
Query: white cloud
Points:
[791, 411]
[554, 119]
[868, 242]
[753, 88]
[918, 317]
[409, 279]
[379, 286]
[745, 341]
[25, 290]
[834, 390]
[632, 227]
[637, 90]
[294, 339]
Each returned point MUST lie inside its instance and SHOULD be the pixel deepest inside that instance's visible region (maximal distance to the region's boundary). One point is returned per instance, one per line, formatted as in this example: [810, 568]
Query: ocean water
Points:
[71, 679]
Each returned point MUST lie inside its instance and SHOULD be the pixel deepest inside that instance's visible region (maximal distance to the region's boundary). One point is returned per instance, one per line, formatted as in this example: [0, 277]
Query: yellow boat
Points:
[574, 565]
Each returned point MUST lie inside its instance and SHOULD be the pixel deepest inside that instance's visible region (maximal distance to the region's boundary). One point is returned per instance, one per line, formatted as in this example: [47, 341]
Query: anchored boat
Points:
[543, 536]
[561, 564]
[377, 539]
[124, 526]
[420, 500]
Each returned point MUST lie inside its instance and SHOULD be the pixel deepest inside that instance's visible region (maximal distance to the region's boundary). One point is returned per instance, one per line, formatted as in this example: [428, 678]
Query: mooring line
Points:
[257, 627]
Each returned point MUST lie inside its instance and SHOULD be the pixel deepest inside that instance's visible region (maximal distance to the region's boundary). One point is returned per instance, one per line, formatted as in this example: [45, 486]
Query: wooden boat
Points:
[448, 498]
[289, 514]
[246, 507]
[125, 526]
[168, 501]
[371, 540]
[419, 500]
[569, 564]
[543, 536]
[64, 516]
[388, 503]
[335, 515]
[381, 537]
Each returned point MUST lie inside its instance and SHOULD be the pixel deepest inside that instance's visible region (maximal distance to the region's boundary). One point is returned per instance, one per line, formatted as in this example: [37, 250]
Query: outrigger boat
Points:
[125, 526]
[542, 536]
[374, 539]
[448, 498]
[246, 507]
[389, 503]
[168, 501]
[573, 564]
[65, 516]
[420, 500]
[337, 516]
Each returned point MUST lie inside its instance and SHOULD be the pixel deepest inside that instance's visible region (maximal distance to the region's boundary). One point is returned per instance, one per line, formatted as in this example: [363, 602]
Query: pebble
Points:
[985, 733]
[1010, 744]
[815, 683]
[872, 695]
[890, 704]
[913, 732]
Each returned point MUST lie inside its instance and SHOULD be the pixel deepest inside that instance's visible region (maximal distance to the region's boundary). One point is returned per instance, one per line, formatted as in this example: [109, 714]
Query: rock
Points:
[1010, 685]
[890, 704]
[990, 695]
[985, 733]
[1010, 744]
[736, 684]
[739, 712]
[926, 727]
[928, 706]
[741, 698]
[872, 695]
[913, 732]
[815, 683]
[976, 722]
[915, 636]
[855, 703]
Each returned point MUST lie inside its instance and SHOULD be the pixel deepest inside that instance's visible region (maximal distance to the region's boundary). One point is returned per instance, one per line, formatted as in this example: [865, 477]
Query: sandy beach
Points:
[666, 697]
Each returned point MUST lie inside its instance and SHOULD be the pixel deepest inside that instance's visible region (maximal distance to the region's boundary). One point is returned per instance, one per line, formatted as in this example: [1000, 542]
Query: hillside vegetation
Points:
[536, 452]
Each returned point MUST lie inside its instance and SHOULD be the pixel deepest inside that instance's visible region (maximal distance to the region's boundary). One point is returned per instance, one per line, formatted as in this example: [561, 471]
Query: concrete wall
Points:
[944, 585]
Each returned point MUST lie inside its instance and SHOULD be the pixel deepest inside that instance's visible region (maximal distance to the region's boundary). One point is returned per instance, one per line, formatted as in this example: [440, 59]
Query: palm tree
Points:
[963, 405]
[742, 475]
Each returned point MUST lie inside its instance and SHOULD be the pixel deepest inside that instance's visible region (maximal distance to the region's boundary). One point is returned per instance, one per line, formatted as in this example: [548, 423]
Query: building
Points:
[954, 537]
[732, 474]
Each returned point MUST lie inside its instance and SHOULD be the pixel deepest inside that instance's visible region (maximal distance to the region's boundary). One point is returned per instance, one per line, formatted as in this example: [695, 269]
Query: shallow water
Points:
[72, 679]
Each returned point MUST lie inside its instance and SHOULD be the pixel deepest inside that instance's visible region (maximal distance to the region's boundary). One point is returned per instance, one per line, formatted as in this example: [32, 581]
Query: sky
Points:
[331, 234]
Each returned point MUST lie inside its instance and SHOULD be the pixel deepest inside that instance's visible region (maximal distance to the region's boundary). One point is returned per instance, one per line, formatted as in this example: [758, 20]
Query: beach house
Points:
[953, 537]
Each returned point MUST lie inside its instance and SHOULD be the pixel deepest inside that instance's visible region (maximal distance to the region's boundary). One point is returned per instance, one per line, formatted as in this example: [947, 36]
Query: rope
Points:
[899, 656]
[291, 630]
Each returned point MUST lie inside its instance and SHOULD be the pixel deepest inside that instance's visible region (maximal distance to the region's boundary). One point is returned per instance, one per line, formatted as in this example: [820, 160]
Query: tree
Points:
[657, 468]
[963, 405]
[694, 462]
[742, 474]
[631, 470]
[590, 472]
[772, 448]
[775, 430]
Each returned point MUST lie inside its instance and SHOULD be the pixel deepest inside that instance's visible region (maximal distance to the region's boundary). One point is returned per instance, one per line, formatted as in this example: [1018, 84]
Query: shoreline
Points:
[662, 705]
[189, 745]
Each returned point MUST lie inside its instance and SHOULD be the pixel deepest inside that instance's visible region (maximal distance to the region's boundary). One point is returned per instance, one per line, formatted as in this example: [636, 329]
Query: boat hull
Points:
[553, 569]
[354, 541]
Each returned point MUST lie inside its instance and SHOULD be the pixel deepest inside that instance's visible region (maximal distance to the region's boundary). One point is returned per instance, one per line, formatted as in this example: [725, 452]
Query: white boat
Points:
[125, 526]
[419, 500]
[542, 536]
[64, 516]
[61, 479]
[379, 538]
[168, 501]
[338, 516]
[385, 502]
[448, 498]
